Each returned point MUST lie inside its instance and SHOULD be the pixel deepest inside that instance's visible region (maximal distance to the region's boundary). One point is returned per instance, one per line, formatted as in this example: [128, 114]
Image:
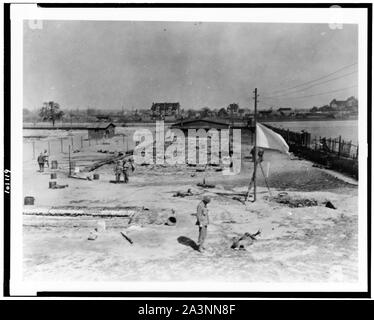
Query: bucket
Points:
[54, 164]
[52, 184]
[171, 221]
[53, 176]
[96, 176]
[29, 201]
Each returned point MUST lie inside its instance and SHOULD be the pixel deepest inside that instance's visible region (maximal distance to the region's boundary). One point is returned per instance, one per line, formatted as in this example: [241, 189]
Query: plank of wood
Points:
[105, 161]
[126, 237]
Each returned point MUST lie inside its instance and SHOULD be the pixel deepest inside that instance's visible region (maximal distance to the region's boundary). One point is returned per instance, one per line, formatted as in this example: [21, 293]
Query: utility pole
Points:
[255, 147]
[253, 179]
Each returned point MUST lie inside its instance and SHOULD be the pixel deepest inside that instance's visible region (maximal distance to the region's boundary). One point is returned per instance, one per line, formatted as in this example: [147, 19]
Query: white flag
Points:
[268, 139]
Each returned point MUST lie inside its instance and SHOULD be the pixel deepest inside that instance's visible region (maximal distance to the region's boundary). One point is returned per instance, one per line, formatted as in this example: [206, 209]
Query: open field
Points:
[313, 243]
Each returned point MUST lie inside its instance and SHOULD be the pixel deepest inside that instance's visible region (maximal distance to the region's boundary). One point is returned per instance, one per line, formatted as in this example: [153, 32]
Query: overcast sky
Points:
[96, 64]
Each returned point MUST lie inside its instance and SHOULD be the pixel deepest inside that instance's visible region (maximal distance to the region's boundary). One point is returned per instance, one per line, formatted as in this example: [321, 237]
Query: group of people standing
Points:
[123, 168]
[43, 159]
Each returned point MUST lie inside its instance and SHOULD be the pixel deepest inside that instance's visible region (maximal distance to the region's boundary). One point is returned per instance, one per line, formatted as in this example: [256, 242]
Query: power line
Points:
[313, 85]
[320, 78]
[317, 94]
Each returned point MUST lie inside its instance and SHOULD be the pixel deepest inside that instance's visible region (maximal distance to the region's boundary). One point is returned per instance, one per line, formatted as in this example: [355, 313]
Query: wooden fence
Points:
[334, 153]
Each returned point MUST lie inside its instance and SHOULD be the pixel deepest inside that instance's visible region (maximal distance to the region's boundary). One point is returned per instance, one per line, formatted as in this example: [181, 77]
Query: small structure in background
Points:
[164, 109]
[101, 130]
[103, 118]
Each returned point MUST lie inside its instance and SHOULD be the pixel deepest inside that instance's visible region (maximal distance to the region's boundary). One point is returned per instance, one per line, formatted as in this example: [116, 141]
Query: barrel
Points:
[53, 176]
[52, 184]
[171, 221]
[54, 164]
[29, 201]
[96, 176]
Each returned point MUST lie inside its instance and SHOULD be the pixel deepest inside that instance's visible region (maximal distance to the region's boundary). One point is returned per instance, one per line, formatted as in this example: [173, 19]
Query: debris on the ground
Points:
[214, 164]
[205, 185]
[172, 220]
[242, 242]
[315, 165]
[109, 160]
[54, 185]
[126, 237]
[239, 199]
[93, 235]
[74, 176]
[294, 202]
[330, 205]
[149, 217]
[183, 194]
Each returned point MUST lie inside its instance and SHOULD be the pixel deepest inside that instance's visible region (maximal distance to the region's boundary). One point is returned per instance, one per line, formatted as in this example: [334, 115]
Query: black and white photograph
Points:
[189, 149]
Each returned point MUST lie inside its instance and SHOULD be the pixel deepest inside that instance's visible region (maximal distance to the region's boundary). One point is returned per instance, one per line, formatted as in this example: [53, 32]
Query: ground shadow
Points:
[188, 242]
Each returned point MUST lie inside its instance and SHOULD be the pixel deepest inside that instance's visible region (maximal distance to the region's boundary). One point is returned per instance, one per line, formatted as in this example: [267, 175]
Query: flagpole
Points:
[255, 149]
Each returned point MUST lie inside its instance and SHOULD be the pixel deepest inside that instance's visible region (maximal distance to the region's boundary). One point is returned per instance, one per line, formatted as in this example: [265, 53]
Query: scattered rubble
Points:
[293, 202]
[183, 194]
[54, 185]
[93, 235]
[239, 199]
[247, 239]
[330, 205]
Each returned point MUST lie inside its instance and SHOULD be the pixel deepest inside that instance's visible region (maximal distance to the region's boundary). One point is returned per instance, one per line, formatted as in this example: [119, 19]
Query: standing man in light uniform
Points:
[202, 221]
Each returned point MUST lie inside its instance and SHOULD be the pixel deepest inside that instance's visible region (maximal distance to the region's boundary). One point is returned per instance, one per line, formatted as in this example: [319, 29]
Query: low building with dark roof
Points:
[101, 130]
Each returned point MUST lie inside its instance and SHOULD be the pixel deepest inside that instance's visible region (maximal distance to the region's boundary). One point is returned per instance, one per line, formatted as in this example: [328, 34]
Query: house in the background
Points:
[285, 111]
[337, 104]
[101, 130]
[265, 113]
[351, 103]
[162, 109]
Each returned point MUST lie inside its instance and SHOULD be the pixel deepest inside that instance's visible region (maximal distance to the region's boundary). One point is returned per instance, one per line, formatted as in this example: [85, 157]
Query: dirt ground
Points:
[296, 244]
